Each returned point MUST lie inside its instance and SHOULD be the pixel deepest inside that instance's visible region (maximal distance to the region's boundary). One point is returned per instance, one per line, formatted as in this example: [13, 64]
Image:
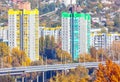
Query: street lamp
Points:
[96, 57]
[102, 55]
[65, 59]
[61, 56]
[46, 60]
[84, 59]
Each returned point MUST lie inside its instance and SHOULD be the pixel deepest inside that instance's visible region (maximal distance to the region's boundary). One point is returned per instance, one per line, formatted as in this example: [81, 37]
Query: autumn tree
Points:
[7, 79]
[59, 43]
[110, 24]
[52, 42]
[103, 30]
[7, 61]
[110, 72]
[114, 51]
[33, 75]
[4, 51]
[19, 58]
[93, 52]
[85, 58]
[41, 43]
[117, 21]
[100, 6]
[36, 63]
[79, 74]
[47, 41]
[63, 55]
[101, 55]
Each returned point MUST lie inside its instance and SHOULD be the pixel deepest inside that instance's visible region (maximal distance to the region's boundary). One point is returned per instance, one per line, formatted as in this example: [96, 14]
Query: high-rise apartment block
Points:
[23, 30]
[76, 33]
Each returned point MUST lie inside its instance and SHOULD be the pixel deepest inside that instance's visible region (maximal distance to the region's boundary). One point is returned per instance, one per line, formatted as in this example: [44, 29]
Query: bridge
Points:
[44, 68]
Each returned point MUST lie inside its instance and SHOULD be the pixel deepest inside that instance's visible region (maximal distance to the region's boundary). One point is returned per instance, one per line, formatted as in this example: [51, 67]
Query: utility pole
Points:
[15, 79]
[43, 76]
[22, 78]
[117, 49]
[31, 80]
[61, 57]
[84, 59]
[37, 78]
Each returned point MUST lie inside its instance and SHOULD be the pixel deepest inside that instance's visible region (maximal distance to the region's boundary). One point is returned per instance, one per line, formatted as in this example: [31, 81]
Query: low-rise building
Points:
[24, 5]
[68, 2]
[51, 31]
[104, 40]
[96, 19]
[98, 30]
[4, 34]
[107, 1]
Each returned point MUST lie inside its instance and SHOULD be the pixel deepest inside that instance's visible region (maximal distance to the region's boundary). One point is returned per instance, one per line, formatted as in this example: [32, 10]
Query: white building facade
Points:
[76, 33]
[23, 31]
[4, 34]
[104, 40]
[51, 31]
[68, 2]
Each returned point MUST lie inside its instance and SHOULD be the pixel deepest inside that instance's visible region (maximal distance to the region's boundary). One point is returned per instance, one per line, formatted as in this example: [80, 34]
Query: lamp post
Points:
[37, 78]
[65, 59]
[61, 56]
[96, 57]
[102, 55]
[43, 77]
[84, 59]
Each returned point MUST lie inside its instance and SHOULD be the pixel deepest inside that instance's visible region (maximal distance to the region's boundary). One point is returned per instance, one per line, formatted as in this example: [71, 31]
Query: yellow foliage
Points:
[21, 57]
[63, 55]
[85, 58]
[83, 80]
[108, 73]
[75, 75]
[8, 59]
[4, 49]
[23, 63]
[28, 61]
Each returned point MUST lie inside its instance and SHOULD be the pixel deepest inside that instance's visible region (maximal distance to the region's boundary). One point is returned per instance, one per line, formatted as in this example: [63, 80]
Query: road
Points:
[43, 68]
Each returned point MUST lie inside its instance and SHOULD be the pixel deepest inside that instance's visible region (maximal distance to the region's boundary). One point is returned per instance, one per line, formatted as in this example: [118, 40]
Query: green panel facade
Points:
[75, 36]
[75, 31]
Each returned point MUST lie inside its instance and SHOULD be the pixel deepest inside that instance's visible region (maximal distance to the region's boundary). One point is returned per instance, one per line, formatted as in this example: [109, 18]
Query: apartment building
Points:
[76, 33]
[23, 31]
[68, 2]
[51, 31]
[4, 34]
[24, 5]
[104, 40]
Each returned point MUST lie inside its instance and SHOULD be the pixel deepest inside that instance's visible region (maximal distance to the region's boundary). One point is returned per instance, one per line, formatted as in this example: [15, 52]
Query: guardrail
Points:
[28, 69]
